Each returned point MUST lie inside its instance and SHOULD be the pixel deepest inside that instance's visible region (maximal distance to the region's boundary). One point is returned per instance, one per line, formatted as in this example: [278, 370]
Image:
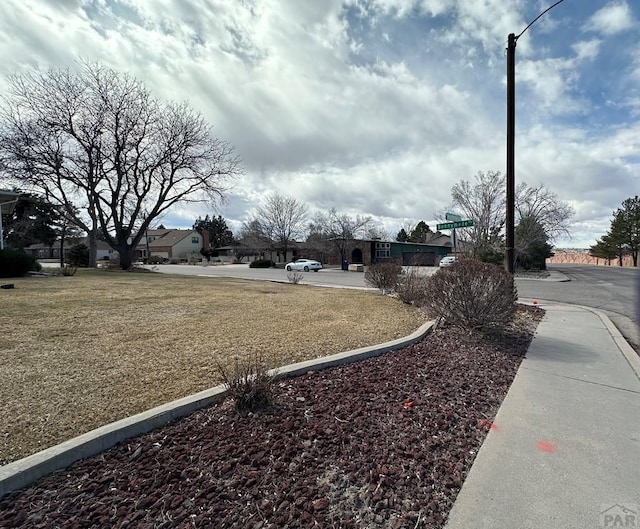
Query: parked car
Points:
[304, 264]
[448, 261]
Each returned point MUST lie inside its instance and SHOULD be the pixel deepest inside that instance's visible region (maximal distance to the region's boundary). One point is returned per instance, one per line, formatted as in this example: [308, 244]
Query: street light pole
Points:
[511, 155]
[511, 144]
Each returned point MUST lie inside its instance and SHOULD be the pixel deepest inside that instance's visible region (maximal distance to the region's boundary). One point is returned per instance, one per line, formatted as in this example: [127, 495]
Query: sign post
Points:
[457, 223]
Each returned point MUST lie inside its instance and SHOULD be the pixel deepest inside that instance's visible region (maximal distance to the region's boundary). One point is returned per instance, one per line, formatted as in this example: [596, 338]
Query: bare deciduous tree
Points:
[114, 157]
[377, 231]
[340, 230]
[281, 220]
[484, 202]
[254, 238]
[542, 205]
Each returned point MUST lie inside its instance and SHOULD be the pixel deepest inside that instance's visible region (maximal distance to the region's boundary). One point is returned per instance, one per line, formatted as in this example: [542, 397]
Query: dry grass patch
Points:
[79, 352]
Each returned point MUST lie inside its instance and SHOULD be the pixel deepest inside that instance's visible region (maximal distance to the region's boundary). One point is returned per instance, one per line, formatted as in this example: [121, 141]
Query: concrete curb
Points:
[627, 351]
[555, 276]
[21, 473]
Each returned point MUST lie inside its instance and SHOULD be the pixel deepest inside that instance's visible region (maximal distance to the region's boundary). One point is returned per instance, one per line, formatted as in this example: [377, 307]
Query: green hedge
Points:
[16, 264]
[262, 263]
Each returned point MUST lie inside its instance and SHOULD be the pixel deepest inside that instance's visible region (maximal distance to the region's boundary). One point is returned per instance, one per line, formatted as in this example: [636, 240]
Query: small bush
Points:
[249, 383]
[294, 277]
[68, 270]
[15, 264]
[155, 259]
[412, 287]
[383, 276]
[473, 295]
[262, 263]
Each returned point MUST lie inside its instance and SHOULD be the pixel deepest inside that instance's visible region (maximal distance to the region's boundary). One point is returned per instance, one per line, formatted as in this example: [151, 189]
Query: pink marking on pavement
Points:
[546, 446]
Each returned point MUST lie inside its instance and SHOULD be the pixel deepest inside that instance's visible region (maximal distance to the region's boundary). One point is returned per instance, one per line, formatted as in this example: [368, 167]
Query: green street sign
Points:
[453, 216]
[453, 225]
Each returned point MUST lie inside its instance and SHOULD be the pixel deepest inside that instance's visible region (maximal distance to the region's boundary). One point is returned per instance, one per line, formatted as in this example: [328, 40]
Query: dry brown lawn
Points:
[79, 352]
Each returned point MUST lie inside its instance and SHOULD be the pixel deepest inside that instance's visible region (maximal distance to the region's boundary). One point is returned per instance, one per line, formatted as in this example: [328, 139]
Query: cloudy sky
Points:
[374, 107]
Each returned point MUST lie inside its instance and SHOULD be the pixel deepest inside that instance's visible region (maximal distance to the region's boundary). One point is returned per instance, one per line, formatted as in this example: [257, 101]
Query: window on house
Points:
[195, 240]
[383, 250]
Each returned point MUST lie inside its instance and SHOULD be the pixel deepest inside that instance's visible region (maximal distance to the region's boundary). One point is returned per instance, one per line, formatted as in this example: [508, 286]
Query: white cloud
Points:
[611, 19]
[373, 107]
[586, 49]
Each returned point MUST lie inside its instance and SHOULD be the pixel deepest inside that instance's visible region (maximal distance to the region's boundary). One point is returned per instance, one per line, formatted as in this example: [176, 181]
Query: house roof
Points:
[158, 233]
[169, 237]
[440, 240]
[68, 243]
[8, 201]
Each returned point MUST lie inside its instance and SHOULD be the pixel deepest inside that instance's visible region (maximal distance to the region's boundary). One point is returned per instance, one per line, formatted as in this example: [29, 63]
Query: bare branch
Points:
[105, 147]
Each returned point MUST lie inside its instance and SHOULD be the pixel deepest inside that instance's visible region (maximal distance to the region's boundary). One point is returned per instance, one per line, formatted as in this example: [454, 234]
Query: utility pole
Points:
[510, 238]
[511, 155]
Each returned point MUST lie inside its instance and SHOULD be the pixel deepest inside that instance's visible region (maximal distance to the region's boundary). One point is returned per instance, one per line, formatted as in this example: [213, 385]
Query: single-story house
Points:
[240, 253]
[370, 251]
[42, 251]
[361, 251]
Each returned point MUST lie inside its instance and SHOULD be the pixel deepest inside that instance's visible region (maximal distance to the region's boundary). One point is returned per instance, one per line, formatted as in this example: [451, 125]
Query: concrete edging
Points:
[23, 472]
[627, 351]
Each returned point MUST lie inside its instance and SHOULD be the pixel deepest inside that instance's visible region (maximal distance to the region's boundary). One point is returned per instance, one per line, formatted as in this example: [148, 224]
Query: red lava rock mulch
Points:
[385, 442]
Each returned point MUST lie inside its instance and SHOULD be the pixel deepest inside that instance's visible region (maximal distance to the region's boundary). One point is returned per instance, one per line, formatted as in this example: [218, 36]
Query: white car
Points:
[304, 264]
[448, 261]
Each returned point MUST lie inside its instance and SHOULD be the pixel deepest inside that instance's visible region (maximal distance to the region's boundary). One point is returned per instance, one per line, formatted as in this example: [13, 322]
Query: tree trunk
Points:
[93, 248]
[125, 252]
[62, 237]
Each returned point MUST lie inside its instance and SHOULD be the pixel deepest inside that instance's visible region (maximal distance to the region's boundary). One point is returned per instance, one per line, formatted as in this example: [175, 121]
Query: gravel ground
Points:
[386, 442]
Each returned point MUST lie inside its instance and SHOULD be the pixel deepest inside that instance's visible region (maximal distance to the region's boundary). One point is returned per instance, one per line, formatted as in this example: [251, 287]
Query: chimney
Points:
[205, 239]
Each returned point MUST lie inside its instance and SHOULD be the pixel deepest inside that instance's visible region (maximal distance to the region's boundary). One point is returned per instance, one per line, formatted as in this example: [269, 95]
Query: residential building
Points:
[170, 244]
[42, 251]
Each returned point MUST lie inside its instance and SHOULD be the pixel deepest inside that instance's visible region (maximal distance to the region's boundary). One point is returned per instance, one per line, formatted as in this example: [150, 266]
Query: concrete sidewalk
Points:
[564, 451]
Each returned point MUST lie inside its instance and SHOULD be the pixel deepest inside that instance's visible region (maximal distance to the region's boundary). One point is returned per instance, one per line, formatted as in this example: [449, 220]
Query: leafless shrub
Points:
[249, 382]
[383, 276]
[412, 287]
[473, 295]
[68, 270]
[294, 277]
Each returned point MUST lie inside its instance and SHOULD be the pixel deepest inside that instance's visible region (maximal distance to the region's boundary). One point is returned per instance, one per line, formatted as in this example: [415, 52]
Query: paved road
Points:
[327, 276]
[614, 290]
